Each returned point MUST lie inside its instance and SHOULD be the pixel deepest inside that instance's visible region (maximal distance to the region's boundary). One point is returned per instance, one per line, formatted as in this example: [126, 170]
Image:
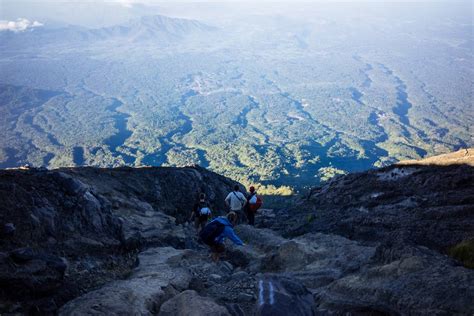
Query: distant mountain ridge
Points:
[146, 28]
[153, 27]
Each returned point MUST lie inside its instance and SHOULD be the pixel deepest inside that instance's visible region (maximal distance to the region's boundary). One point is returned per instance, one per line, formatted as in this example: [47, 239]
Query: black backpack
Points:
[211, 231]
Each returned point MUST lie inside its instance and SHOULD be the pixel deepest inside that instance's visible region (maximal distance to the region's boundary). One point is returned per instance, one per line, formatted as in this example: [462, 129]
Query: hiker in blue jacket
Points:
[215, 233]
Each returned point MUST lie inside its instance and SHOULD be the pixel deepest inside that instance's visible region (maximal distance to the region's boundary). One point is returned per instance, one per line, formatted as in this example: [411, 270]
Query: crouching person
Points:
[215, 233]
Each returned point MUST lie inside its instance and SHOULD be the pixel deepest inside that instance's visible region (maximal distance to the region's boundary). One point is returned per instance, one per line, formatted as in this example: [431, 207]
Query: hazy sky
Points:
[128, 2]
[98, 13]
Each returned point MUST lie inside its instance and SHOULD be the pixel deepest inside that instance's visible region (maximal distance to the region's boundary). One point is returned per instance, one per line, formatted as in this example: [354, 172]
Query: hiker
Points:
[215, 233]
[235, 200]
[201, 213]
[254, 202]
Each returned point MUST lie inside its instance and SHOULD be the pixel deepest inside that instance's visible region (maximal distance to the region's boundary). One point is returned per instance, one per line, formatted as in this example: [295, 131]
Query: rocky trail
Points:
[271, 275]
[87, 241]
[314, 274]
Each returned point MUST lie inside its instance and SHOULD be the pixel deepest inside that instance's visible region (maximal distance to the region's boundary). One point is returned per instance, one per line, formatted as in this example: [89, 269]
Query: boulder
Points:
[419, 282]
[319, 252]
[28, 272]
[7, 230]
[313, 259]
[280, 296]
[71, 185]
[190, 303]
[156, 279]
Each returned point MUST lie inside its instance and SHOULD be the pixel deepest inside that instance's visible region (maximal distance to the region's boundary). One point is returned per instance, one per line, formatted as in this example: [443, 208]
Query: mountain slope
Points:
[106, 241]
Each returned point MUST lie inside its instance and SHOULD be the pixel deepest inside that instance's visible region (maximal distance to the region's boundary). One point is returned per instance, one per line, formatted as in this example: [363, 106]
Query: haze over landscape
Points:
[278, 94]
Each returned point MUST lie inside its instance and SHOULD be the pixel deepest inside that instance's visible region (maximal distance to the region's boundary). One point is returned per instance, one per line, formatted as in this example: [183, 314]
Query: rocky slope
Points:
[411, 215]
[428, 202]
[66, 231]
[114, 241]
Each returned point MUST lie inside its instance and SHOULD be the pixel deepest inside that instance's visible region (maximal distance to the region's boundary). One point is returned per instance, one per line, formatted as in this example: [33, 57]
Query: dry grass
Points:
[464, 252]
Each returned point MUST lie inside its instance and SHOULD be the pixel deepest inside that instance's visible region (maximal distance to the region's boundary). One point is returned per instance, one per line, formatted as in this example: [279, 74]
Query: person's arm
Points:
[244, 200]
[193, 213]
[227, 200]
[210, 208]
[220, 238]
[229, 232]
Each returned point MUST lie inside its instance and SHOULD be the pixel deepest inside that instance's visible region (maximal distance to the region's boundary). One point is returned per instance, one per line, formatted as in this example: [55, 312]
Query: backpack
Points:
[253, 199]
[255, 202]
[205, 211]
[202, 209]
[211, 231]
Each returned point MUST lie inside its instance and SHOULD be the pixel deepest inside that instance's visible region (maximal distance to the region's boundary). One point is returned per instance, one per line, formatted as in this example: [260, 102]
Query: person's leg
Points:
[196, 223]
[217, 250]
[238, 216]
[202, 224]
[215, 256]
[241, 217]
[251, 217]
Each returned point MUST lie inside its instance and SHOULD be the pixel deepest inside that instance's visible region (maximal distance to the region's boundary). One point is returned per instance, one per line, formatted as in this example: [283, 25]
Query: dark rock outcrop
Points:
[69, 230]
[424, 205]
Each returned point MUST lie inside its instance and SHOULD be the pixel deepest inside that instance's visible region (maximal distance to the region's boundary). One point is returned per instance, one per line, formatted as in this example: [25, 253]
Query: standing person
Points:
[215, 233]
[235, 200]
[254, 202]
[201, 213]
